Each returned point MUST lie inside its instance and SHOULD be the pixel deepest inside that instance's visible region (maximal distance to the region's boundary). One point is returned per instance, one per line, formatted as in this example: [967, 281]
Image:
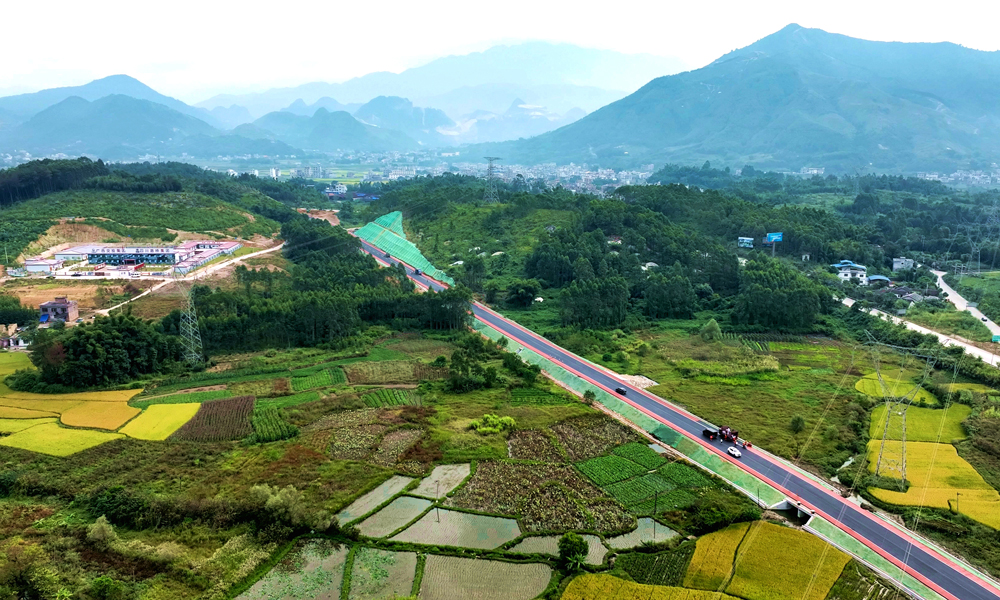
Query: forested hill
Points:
[800, 97]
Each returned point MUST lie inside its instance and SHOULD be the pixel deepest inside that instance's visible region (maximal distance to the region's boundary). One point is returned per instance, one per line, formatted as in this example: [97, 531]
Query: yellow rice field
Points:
[12, 361]
[712, 562]
[925, 424]
[937, 474]
[99, 415]
[15, 425]
[10, 412]
[896, 387]
[46, 404]
[972, 387]
[115, 396]
[609, 587]
[50, 438]
[770, 552]
[160, 420]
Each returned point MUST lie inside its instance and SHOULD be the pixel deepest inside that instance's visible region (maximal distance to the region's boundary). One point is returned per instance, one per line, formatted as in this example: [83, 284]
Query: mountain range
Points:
[800, 97]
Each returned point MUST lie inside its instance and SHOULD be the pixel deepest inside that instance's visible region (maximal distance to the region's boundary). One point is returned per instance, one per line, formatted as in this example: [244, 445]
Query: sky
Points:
[195, 49]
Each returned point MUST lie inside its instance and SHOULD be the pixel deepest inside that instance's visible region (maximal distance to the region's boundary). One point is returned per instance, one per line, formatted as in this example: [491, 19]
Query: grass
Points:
[191, 398]
[159, 421]
[950, 321]
[770, 552]
[12, 361]
[936, 474]
[600, 587]
[99, 415]
[712, 563]
[896, 387]
[924, 424]
[52, 439]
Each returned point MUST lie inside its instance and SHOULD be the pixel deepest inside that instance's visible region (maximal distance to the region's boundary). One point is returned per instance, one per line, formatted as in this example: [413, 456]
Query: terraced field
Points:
[159, 421]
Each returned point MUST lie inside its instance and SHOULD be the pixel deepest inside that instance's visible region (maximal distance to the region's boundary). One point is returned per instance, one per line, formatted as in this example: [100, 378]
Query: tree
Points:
[573, 551]
[711, 331]
[582, 269]
[797, 424]
[522, 292]
[671, 296]
[589, 397]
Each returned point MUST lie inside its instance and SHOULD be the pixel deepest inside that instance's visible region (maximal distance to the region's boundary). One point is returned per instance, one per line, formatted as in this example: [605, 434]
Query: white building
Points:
[42, 265]
[275, 173]
[902, 264]
[849, 271]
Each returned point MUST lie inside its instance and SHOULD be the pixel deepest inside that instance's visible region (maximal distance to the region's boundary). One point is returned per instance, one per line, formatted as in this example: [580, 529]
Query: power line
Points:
[190, 333]
[490, 194]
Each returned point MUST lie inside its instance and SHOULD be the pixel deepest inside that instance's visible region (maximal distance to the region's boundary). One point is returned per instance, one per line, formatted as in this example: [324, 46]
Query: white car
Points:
[734, 452]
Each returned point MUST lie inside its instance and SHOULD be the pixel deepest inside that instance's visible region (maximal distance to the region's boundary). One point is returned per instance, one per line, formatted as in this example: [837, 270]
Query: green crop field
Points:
[641, 454]
[535, 396]
[270, 426]
[634, 491]
[315, 380]
[609, 469]
[870, 385]
[191, 398]
[924, 424]
[388, 397]
[664, 568]
[286, 401]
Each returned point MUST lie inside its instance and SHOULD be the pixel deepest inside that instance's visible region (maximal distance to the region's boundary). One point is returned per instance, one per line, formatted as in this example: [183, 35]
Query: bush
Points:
[106, 587]
[490, 424]
[573, 551]
[101, 533]
[711, 331]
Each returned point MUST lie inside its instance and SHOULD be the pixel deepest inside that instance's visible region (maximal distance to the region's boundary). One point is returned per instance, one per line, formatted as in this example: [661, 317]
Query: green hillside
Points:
[800, 97]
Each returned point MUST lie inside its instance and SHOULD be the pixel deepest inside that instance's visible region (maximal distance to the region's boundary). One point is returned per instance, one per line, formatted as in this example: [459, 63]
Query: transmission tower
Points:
[892, 458]
[490, 194]
[189, 330]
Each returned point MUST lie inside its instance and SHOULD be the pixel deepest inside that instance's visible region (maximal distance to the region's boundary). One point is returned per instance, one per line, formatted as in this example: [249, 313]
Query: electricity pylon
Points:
[190, 333]
[490, 194]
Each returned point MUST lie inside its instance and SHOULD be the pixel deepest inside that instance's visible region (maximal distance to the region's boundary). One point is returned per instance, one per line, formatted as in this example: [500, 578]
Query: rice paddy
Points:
[647, 530]
[895, 387]
[601, 587]
[770, 552]
[925, 424]
[549, 544]
[313, 570]
[378, 574]
[398, 513]
[373, 499]
[443, 479]
[159, 421]
[713, 558]
[99, 415]
[937, 474]
[10, 412]
[15, 425]
[449, 577]
[50, 438]
[453, 528]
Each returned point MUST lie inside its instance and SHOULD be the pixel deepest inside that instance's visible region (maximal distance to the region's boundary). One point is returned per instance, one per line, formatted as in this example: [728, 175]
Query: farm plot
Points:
[610, 469]
[634, 491]
[536, 397]
[373, 499]
[50, 438]
[115, 396]
[15, 425]
[378, 574]
[449, 577]
[533, 445]
[314, 570]
[663, 568]
[465, 530]
[924, 424]
[641, 454]
[314, 380]
[10, 412]
[648, 530]
[769, 553]
[592, 436]
[260, 387]
[99, 415]
[356, 443]
[549, 544]
[190, 398]
[547, 497]
[936, 473]
[12, 361]
[388, 397]
[712, 562]
[219, 420]
[399, 512]
[869, 385]
[269, 426]
[159, 421]
[287, 401]
[391, 371]
[443, 479]
[600, 587]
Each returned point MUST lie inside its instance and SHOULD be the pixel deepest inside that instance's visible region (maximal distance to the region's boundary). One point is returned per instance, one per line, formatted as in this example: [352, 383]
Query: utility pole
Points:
[490, 194]
[957, 494]
[656, 511]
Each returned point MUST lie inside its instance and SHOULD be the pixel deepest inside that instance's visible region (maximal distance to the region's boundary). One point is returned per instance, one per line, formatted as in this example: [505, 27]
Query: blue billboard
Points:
[774, 237]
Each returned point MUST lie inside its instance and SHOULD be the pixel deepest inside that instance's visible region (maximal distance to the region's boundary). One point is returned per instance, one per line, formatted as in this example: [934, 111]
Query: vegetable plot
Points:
[219, 420]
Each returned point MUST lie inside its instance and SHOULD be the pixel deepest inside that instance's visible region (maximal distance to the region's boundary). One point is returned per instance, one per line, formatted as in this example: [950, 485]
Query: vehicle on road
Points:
[728, 434]
[984, 319]
[76, 274]
[710, 433]
[417, 272]
[734, 452]
[387, 255]
[621, 391]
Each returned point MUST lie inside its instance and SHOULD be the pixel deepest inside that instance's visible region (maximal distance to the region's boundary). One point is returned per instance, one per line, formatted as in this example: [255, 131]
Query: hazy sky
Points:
[195, 49]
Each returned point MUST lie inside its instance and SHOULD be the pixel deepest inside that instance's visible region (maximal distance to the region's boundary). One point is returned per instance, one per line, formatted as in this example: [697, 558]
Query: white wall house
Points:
[849, 271]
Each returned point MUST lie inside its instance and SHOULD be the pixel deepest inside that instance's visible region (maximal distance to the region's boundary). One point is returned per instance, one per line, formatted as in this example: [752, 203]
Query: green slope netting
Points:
[386, 233]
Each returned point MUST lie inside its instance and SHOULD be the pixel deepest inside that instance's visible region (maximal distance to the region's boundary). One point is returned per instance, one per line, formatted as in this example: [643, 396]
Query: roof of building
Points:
[846, 263]
[877, 278]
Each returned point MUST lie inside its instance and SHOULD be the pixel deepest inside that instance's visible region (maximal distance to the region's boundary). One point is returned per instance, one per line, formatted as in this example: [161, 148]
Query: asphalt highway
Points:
[927, 565]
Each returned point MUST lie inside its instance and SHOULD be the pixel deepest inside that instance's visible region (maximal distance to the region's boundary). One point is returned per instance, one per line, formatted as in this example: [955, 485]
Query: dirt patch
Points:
[533, 445]
[330, 216]
[639, 381]
[204, 388]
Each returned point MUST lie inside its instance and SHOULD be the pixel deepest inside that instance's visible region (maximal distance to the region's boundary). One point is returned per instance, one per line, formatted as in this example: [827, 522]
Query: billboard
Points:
[774, 237]
[744, 242]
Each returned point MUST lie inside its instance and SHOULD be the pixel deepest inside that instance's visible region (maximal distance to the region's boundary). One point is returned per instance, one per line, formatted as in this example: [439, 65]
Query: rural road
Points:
[987, 357]
[931, 567]
[962, 304]
[193, 277]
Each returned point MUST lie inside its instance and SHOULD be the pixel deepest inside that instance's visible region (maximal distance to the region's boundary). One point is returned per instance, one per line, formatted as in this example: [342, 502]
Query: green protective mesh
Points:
[386, 233]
